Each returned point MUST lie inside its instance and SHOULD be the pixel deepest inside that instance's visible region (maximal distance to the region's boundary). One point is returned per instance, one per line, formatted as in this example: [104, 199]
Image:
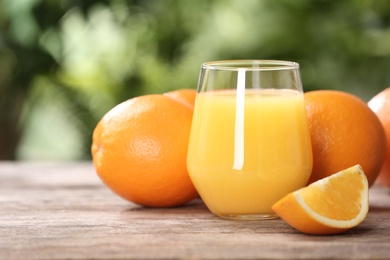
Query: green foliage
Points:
[84, 57]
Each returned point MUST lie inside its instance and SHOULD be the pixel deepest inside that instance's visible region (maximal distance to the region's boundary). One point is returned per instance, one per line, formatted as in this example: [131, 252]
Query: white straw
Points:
[239, 123]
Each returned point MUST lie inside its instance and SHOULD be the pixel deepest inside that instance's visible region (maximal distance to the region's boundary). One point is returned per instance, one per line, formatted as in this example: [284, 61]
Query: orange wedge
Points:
[331, 205]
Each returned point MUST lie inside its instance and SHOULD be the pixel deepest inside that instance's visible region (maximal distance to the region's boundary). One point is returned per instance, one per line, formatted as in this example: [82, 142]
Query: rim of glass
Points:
[251, 65]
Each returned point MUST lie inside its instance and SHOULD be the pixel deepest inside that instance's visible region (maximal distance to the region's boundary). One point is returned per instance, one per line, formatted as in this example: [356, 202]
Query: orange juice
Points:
[244, 168]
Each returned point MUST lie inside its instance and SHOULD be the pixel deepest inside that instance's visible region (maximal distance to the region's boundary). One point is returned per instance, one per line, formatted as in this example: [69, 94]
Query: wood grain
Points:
[63, 211]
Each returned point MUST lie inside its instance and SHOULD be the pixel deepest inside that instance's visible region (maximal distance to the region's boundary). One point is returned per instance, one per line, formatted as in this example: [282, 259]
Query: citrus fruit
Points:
[139, 151]
[380, 104]
[332, 205]
[184, 95]
[344, 131]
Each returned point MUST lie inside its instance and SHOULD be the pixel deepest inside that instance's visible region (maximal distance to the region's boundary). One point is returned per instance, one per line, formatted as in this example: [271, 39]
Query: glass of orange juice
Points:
[249, 143]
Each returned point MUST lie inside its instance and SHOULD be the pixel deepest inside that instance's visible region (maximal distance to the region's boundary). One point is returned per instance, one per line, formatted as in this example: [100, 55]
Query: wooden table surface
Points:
[63, 211]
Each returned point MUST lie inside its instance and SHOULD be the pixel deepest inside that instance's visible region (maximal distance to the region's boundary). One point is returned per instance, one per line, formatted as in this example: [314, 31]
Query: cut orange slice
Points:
[331, 205]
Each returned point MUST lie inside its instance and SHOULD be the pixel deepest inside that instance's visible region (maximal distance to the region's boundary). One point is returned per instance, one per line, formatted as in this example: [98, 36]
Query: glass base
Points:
[248, 216]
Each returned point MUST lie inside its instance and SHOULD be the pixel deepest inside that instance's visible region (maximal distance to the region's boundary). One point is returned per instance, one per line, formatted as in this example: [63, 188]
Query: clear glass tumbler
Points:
[249, 143]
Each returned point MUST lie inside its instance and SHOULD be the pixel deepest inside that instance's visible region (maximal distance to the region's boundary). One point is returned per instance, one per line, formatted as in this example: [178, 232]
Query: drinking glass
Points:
[249, 143]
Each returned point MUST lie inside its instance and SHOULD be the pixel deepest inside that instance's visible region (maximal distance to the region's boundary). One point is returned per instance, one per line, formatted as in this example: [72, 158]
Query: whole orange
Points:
[185, 95]
[344, 131]
[139, 151]
[380, 104]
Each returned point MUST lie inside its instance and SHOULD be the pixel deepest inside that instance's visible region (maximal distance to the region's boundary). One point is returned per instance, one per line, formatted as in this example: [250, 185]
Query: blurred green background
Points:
[65, 63]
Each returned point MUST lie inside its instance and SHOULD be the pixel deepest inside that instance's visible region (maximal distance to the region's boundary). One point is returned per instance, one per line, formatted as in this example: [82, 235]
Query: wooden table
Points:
[63, 211]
